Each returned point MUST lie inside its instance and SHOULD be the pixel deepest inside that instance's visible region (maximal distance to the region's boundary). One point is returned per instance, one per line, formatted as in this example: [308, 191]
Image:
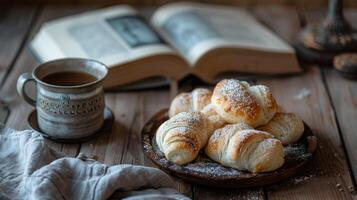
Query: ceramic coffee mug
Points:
[67, 111]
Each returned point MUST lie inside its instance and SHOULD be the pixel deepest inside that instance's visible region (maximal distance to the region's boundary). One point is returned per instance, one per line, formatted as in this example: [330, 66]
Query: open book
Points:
[180, 39]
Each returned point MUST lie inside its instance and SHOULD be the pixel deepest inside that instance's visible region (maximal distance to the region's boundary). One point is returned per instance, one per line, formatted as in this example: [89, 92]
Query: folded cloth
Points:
[30, 169]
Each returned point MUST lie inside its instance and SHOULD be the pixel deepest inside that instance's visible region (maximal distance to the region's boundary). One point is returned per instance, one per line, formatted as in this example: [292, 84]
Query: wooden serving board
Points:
[205, 171]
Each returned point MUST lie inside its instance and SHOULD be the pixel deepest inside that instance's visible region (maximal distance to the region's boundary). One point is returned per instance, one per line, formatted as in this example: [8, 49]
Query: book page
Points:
[112, 35]
[195, 29]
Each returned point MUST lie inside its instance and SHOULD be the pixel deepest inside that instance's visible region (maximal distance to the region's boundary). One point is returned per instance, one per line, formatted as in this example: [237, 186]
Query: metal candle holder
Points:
[321, 42]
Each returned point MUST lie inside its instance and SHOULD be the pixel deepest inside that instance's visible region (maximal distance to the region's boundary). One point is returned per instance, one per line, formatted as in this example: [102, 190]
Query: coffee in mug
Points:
[69, 96]
[69, 78]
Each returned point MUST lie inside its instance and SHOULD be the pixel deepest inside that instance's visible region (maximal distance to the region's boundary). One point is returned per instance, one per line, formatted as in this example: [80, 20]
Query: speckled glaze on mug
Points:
[68, 112]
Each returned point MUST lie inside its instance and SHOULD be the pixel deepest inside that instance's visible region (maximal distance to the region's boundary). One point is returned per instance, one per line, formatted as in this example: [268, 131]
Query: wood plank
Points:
[341, 98]
[19, 109]
[201, 192]
[328, 176]
[14, 25]
[344, 98]
[328, 172]
[16, 22]
[123, 144]
[111, 148]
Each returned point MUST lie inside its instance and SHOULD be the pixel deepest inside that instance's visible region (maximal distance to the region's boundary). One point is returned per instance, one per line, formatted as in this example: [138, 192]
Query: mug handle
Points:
[21, 82]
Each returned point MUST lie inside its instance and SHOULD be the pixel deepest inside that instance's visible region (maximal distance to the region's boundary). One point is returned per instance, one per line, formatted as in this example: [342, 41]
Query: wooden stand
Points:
[320, 43]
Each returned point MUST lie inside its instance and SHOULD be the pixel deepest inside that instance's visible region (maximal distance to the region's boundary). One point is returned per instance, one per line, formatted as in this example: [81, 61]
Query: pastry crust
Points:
[287, 127]
[213, 117]
[236, 101]
[181, 137]
[188, 102]
[197, 118]
[241, 147]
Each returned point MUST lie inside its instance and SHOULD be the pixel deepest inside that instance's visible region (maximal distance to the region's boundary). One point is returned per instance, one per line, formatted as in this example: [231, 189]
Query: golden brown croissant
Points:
[241, 147]
[193, 101]
[181, 137]
[237, 101]
[287, 127]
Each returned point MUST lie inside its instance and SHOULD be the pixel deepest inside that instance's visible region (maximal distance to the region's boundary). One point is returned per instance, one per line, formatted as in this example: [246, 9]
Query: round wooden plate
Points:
[205, 171]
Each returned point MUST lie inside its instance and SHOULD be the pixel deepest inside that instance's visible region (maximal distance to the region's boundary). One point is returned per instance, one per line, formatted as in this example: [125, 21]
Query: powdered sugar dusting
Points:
[300, 179]
[297, 151]
[233, 96]
[233, 89]
[216, 135]
[190, 119]
[203, 165]
[209, 172]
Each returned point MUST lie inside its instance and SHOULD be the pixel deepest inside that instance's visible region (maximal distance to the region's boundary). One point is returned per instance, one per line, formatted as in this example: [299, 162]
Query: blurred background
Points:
[297, 3]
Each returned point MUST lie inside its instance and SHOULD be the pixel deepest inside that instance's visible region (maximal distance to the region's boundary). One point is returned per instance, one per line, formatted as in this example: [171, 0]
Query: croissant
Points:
[241, 147]
[193, 101]
[181, 137]
[213, 117]
[287, 127]
[237, 101]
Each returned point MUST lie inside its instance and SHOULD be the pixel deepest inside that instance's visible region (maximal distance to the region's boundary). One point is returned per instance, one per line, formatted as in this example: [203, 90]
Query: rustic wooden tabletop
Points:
[323, 99]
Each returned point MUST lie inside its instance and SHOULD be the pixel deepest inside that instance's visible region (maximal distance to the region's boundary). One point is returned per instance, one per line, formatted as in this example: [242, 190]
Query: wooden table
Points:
[324, 100]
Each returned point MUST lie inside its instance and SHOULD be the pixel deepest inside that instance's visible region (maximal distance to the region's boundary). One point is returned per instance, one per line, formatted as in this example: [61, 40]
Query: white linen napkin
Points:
[29, 169]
